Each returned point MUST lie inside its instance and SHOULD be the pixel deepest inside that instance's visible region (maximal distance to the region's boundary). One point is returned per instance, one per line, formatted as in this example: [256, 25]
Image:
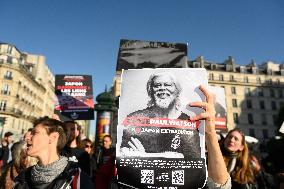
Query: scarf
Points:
[233, 160]
[42, 174]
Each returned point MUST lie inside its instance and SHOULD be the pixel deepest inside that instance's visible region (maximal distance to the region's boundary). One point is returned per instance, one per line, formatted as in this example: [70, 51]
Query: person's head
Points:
[163, 90]
[87, 145]
[73, 130]
[8, 137]
[47, 137]
[107, 141]
[27, 135]
[235, 141]
[20, 158]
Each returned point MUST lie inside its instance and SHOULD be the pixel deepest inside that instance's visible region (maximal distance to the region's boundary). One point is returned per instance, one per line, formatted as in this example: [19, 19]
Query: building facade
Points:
[26, 89]
[254, 93]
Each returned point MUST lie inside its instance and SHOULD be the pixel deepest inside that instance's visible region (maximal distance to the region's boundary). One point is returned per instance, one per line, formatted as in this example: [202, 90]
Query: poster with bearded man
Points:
[157, 145]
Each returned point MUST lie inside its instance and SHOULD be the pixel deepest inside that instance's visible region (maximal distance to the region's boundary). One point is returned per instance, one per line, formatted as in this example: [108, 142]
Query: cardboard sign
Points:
[135, 54]
[157, 145]
[74, 97]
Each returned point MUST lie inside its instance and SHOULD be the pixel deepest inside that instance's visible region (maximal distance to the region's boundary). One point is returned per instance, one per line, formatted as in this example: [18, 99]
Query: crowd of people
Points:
[52, 155]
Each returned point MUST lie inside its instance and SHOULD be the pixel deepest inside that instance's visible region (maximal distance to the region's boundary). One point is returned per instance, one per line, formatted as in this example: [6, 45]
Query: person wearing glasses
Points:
[87, 146]
[72, 148]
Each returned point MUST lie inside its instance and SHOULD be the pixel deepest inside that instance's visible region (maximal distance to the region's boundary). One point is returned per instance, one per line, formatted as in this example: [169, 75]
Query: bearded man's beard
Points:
[166, 102]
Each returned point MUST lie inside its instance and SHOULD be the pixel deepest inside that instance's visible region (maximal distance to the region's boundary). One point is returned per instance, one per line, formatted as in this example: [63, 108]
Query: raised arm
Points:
[217, 170]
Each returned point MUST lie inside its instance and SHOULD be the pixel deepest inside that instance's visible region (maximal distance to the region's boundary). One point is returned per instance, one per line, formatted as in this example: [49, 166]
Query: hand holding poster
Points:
[157, 144]
[74, 97]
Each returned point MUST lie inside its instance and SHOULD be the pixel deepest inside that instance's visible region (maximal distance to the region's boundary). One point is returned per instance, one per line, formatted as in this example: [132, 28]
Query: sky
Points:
[82, 37]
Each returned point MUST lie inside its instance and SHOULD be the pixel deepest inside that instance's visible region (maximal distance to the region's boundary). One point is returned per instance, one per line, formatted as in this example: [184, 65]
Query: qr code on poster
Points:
[147, 176]
[178, 177]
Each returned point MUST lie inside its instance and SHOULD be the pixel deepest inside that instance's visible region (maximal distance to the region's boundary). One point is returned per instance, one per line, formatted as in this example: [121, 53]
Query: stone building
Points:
[254, 93]
[26, 89]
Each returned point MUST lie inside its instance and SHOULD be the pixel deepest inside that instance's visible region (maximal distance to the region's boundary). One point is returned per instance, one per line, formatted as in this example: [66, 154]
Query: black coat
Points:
[4, 155]
[82, 157]
[23, 180]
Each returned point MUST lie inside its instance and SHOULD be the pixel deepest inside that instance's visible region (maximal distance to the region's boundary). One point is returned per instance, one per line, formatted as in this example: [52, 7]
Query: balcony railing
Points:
[8, 77]
[12, 111]
[5, 92]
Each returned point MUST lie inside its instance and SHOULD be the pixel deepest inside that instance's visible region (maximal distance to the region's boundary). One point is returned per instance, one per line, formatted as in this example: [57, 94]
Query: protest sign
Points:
[220, 108]
[135, 54]
[157, 145]
[74, 97]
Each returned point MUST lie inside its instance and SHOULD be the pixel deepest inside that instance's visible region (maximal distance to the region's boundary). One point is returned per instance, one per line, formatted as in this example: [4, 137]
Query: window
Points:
[221, 77]
[272, 93]
[265, 133]
[8, 75]
[234, 102]
[232, 78]
[236, 117]
[258, 80]
[275, 120]
[280, 93]
[196, 65]
[211, 76]
[260, 92]
[233, 90]
[247, 92]
[273, 105]
[246, 79]
[251, 132]
[9, 49]
[3, 105]
[6, 89]
[261, 105]
[250, 118]
[249, 104]
[9, 60]
[263, 119]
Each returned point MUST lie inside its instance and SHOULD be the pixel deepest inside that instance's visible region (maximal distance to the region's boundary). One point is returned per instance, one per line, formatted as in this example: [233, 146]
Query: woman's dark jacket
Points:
[71, 174]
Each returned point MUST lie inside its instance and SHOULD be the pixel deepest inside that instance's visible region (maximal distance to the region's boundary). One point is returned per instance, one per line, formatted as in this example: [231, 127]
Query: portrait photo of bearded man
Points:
[163, 90]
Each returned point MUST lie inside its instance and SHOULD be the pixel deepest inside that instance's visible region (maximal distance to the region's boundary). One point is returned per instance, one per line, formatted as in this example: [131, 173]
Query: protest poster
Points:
[136, 54]
[157, 145]
[74, 97]
[220, 108]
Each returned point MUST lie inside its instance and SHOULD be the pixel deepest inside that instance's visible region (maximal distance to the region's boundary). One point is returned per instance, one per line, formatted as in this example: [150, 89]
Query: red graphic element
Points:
[138, 130]
[160, 122]
[221, 123]
[71, 87]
